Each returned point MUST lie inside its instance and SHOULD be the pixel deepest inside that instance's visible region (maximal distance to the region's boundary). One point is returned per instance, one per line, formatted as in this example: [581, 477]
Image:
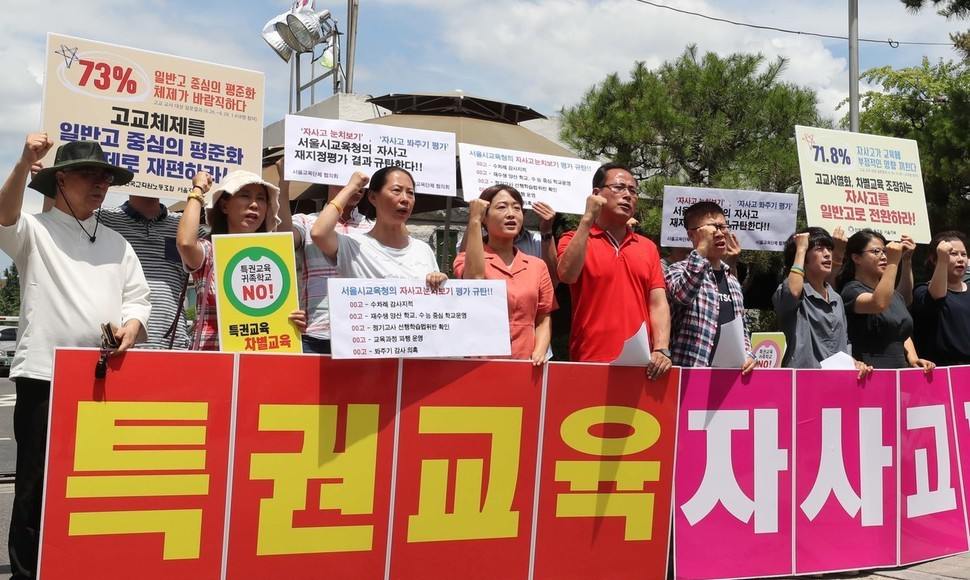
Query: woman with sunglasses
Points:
[879, 323]
[528, 284]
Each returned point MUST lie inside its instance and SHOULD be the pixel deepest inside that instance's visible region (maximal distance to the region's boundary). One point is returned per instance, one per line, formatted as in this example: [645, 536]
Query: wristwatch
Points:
[548, 236]
[663, 351]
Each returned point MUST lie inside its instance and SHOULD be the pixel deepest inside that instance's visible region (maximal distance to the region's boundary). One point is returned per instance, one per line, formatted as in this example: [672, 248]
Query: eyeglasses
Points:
[95, 175]
[718, 227]
[620, 188]
[877, 251]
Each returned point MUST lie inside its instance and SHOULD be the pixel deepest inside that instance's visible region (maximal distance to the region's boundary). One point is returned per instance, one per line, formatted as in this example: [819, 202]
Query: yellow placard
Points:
[163, 117]
[256, 292]
[768, 348]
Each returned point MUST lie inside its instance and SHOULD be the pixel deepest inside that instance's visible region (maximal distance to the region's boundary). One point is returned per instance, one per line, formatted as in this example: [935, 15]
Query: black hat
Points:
[74, 155]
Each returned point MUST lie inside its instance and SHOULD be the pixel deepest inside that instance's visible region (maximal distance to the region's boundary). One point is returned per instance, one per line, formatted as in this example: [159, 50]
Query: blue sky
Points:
[541, 53]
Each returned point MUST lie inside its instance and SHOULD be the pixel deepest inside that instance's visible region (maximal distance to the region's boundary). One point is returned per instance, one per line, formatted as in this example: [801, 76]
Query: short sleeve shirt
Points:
[815, 326]
[316, 269]
[942, 330]
[529, 290]
[611, 297]
[877, 339]
[362, 256]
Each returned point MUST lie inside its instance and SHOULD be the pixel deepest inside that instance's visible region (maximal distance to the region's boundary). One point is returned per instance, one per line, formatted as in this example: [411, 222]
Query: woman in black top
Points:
[880, 326]
[942, 307]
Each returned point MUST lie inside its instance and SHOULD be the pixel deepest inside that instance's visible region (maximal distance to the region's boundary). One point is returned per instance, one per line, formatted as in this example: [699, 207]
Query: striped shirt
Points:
[154, 243]
[315, 269]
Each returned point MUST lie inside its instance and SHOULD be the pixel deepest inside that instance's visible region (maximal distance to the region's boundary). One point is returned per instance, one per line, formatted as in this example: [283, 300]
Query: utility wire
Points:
[889, 41]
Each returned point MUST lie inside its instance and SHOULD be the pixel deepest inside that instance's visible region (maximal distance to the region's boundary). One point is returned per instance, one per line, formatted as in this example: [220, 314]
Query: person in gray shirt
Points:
[810, 311]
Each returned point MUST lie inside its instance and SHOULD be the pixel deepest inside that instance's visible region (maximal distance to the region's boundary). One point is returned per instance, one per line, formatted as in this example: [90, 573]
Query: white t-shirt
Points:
[361, 256]
[69, 286]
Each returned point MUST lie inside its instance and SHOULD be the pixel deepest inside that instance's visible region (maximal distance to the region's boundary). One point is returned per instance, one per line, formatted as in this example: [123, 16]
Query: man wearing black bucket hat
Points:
[75, 276]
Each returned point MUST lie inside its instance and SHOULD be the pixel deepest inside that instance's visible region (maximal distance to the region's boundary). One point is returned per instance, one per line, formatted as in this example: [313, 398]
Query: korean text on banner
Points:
[163, 117]
[858, 181]
[562, 182]
[329, 151]
[768, 348]
[761, 221]
[137, 466]
[407, 319]
[256, 292]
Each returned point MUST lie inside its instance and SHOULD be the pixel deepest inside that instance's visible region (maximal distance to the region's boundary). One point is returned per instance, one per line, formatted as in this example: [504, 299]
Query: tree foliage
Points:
[10, 293]
[949, 9]
[698, 120]
[929, 103]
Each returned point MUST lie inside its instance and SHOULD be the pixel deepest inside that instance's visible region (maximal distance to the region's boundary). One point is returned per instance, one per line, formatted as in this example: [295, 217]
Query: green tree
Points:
[949, 9]
[930, 104]
[708, 121]
[10, 293]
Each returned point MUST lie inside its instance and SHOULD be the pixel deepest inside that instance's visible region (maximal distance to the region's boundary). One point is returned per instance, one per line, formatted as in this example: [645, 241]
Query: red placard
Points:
[466, 469]
[607, 473]
[137, 463]
[313, 457]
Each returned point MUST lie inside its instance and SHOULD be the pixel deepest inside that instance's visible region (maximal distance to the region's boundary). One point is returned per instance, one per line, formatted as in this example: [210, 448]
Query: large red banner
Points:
[356, 469]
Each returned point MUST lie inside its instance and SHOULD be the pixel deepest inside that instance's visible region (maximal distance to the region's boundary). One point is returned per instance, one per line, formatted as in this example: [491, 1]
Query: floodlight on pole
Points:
[275, 41]
[310, 28]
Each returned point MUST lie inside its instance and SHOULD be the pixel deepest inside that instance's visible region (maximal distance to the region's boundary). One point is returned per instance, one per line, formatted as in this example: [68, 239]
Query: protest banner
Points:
[733, 486]
[473, 428]
[933, 517]
[562, 182]
[605, 479]
[163, 117]
[769, 349]
[256, 292]
[329, 151]
[405, 318]
[761, 221]
[846, 470]
[856, 181]
[313, 453]
[137, 466]
[210, 465]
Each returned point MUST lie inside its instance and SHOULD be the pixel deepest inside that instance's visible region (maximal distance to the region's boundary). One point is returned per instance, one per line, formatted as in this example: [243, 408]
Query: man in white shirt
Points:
[74, 277]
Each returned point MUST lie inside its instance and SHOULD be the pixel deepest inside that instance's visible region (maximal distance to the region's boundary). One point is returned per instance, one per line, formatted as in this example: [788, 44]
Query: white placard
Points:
[392, 318]
[562, 182]
[859, 181]
[760, 220]
[329, 151]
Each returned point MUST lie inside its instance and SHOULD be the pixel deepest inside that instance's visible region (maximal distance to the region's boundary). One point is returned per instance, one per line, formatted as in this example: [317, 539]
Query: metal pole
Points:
[293, 84]
[299, 79]
[446, 250]
[854, 65]
[352, 8]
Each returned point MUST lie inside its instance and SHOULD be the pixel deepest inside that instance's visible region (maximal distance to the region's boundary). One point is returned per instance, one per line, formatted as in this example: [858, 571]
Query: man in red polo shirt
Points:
[614, 276]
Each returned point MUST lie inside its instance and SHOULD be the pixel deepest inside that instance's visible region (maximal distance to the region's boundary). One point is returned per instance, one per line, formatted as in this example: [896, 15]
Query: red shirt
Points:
[611, 298]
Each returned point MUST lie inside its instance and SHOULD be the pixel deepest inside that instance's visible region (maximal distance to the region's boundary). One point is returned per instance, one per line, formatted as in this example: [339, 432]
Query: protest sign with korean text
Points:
[768, 349]
[163, 117]
[562, 182]
[330, 151]
[137, 466]
[406, 318]
[857, 181]
[761, 221]
[256, 283]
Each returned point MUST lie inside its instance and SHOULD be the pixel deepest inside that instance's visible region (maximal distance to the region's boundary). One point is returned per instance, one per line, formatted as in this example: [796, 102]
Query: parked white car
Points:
[8, 344]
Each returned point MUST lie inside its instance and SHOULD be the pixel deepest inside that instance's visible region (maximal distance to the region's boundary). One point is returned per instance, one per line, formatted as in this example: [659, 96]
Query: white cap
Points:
[239, 179]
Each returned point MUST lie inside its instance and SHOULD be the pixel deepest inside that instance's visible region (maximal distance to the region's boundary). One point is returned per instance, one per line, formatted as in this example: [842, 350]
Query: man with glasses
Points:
[704, 297]
[614, 276]
[74, 276]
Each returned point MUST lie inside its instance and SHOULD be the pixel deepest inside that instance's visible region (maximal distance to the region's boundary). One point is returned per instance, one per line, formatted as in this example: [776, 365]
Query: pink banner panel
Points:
[733, 486]
[845, 470]
[960, 394]
[933, 522]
